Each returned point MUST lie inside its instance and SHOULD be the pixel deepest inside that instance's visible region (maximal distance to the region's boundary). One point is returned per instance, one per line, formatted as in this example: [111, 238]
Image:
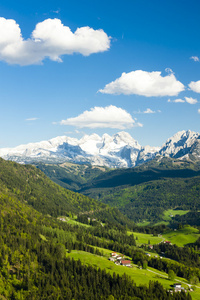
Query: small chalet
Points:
[126, 263]
[114, 254]
[177, 287]
[167, 242]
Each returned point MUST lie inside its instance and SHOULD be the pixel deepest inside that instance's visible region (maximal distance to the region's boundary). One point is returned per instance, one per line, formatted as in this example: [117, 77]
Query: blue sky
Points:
[61, 66]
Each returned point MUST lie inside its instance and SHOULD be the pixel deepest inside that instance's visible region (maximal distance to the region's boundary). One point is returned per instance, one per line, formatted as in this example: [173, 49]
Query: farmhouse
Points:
[177, 285]
[126, 263]
[167, 242]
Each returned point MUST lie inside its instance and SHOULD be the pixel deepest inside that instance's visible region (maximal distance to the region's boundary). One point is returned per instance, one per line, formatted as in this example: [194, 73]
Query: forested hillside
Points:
[33, 246]
[30, 185]
[141, 193]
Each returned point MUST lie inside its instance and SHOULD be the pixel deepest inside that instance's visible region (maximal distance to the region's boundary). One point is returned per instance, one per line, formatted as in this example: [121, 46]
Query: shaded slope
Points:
[71, 176]
[154, 170]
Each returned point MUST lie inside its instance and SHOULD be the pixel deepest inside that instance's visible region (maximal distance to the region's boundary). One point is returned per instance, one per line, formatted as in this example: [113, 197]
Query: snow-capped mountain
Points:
[181, 145]
[119, 150]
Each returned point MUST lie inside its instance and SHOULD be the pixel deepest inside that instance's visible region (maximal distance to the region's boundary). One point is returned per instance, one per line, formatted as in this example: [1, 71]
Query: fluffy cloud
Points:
[103, 117]
[144, 83]
[195, 58]
[199, 111]
[195, 86]
[189, 100]
[49, 39]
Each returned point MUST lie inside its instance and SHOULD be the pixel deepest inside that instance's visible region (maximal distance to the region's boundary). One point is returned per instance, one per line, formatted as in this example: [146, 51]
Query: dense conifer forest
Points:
[141, 193]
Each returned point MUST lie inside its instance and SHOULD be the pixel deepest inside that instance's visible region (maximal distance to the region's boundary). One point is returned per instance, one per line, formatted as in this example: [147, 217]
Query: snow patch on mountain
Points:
[179, 145]
[119, 150]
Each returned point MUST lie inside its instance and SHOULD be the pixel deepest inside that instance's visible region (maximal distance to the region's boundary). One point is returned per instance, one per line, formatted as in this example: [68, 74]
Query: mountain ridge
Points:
[117, 151]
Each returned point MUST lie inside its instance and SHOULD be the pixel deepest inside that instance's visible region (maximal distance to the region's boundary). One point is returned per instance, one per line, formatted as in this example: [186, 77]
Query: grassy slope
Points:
[182, 236]
[143, 238]
[179, 237]
[140, 276]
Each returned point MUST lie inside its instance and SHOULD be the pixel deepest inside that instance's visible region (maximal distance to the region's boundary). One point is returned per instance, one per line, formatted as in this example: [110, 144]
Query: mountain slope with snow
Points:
[119, 150]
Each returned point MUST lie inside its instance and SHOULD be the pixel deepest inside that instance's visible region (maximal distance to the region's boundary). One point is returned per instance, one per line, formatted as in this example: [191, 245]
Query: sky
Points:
[87, 66]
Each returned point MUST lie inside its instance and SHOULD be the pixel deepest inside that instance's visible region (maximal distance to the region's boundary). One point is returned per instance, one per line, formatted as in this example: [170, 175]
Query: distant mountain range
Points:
[117, 151]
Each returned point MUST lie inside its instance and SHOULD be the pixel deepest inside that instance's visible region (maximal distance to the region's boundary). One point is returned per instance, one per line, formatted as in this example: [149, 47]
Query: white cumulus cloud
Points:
[191, 100]
[199, 111]
[195, 86]
[51, 39]
[144, 83]
[103, 117]
[195, 58]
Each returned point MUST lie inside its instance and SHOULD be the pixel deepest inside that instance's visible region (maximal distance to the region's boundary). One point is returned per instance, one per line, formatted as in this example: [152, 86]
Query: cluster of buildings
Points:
[119, 260]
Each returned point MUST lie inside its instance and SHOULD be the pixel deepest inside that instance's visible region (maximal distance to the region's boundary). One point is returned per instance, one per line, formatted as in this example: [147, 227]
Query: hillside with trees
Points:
[141, 193]
[34, 244]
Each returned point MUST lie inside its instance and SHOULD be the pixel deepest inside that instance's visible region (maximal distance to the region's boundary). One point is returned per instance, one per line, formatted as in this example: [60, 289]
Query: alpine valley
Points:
[77, 223]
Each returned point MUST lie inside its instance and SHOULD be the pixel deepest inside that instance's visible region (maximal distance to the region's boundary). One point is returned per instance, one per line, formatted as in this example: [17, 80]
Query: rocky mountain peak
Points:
[119, 150]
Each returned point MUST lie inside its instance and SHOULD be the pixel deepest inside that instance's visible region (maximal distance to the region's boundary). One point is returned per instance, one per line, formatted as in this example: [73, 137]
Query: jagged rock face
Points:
[179, 145]
[195, 149]
[117, 151]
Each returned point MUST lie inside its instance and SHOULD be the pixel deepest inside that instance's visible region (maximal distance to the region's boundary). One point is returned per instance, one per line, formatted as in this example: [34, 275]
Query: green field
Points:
[143, 238]
[179, 237]
[168, 214]
[182, 236]
[140, 276]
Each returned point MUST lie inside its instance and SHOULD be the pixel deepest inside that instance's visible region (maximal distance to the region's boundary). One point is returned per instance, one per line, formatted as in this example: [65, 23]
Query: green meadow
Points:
[168, 214]
[182, 236]
[140, 276]
[179, 237]
[143, 238]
